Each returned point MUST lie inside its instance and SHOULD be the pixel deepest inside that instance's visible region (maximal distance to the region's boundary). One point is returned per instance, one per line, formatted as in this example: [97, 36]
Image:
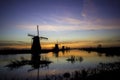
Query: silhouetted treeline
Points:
[109, 51]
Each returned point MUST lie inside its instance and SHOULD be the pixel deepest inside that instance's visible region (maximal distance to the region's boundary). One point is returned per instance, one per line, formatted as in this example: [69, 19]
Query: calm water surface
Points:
[61, 62]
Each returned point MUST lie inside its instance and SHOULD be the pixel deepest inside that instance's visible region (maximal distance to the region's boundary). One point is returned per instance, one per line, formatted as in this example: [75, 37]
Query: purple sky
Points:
[62, 20]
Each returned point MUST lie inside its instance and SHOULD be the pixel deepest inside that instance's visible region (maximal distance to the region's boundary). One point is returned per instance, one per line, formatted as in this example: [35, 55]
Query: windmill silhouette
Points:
[36, 46]
[56, 48]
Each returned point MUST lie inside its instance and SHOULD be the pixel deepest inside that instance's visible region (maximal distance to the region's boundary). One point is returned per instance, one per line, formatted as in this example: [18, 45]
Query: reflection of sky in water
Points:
[59, 65]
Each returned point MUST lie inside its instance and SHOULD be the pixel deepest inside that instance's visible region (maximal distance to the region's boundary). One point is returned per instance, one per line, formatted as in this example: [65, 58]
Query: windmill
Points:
[36, 46]
[56, 48]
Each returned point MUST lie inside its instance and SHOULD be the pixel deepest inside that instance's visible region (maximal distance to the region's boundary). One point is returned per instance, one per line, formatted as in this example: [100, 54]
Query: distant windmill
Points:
[56, 46]
[36, 47]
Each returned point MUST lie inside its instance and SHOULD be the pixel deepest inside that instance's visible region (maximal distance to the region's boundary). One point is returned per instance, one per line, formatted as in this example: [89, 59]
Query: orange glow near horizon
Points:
[78, 44]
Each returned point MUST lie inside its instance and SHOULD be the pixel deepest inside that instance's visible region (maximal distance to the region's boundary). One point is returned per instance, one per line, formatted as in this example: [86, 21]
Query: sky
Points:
[74, 22]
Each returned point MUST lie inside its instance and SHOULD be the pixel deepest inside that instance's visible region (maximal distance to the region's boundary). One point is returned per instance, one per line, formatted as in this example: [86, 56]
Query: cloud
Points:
[88, 9]
[49, 27]
[68, 20]
[89, 23]
[92, 13]
[68, 23]
[10, 43]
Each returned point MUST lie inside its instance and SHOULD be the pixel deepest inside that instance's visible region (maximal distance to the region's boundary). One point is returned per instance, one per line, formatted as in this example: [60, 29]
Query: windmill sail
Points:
[44, 38]
[31, 35]
[37, 30]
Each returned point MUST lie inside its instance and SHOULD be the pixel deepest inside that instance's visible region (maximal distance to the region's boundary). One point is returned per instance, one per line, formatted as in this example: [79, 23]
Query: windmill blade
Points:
[44, 38]
[31, 35]
[37, 30]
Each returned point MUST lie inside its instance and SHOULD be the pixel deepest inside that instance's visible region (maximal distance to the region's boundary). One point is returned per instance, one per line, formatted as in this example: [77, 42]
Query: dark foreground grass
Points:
[110, 71]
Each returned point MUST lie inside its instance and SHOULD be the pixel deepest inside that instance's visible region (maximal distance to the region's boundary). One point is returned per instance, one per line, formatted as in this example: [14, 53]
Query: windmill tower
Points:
[36, 46]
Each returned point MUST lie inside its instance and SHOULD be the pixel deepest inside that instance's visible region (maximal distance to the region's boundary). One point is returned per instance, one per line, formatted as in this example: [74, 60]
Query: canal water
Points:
[21, 68]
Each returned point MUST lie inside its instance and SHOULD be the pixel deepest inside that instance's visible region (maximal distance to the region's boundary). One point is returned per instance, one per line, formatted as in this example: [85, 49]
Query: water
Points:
[61, 62]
